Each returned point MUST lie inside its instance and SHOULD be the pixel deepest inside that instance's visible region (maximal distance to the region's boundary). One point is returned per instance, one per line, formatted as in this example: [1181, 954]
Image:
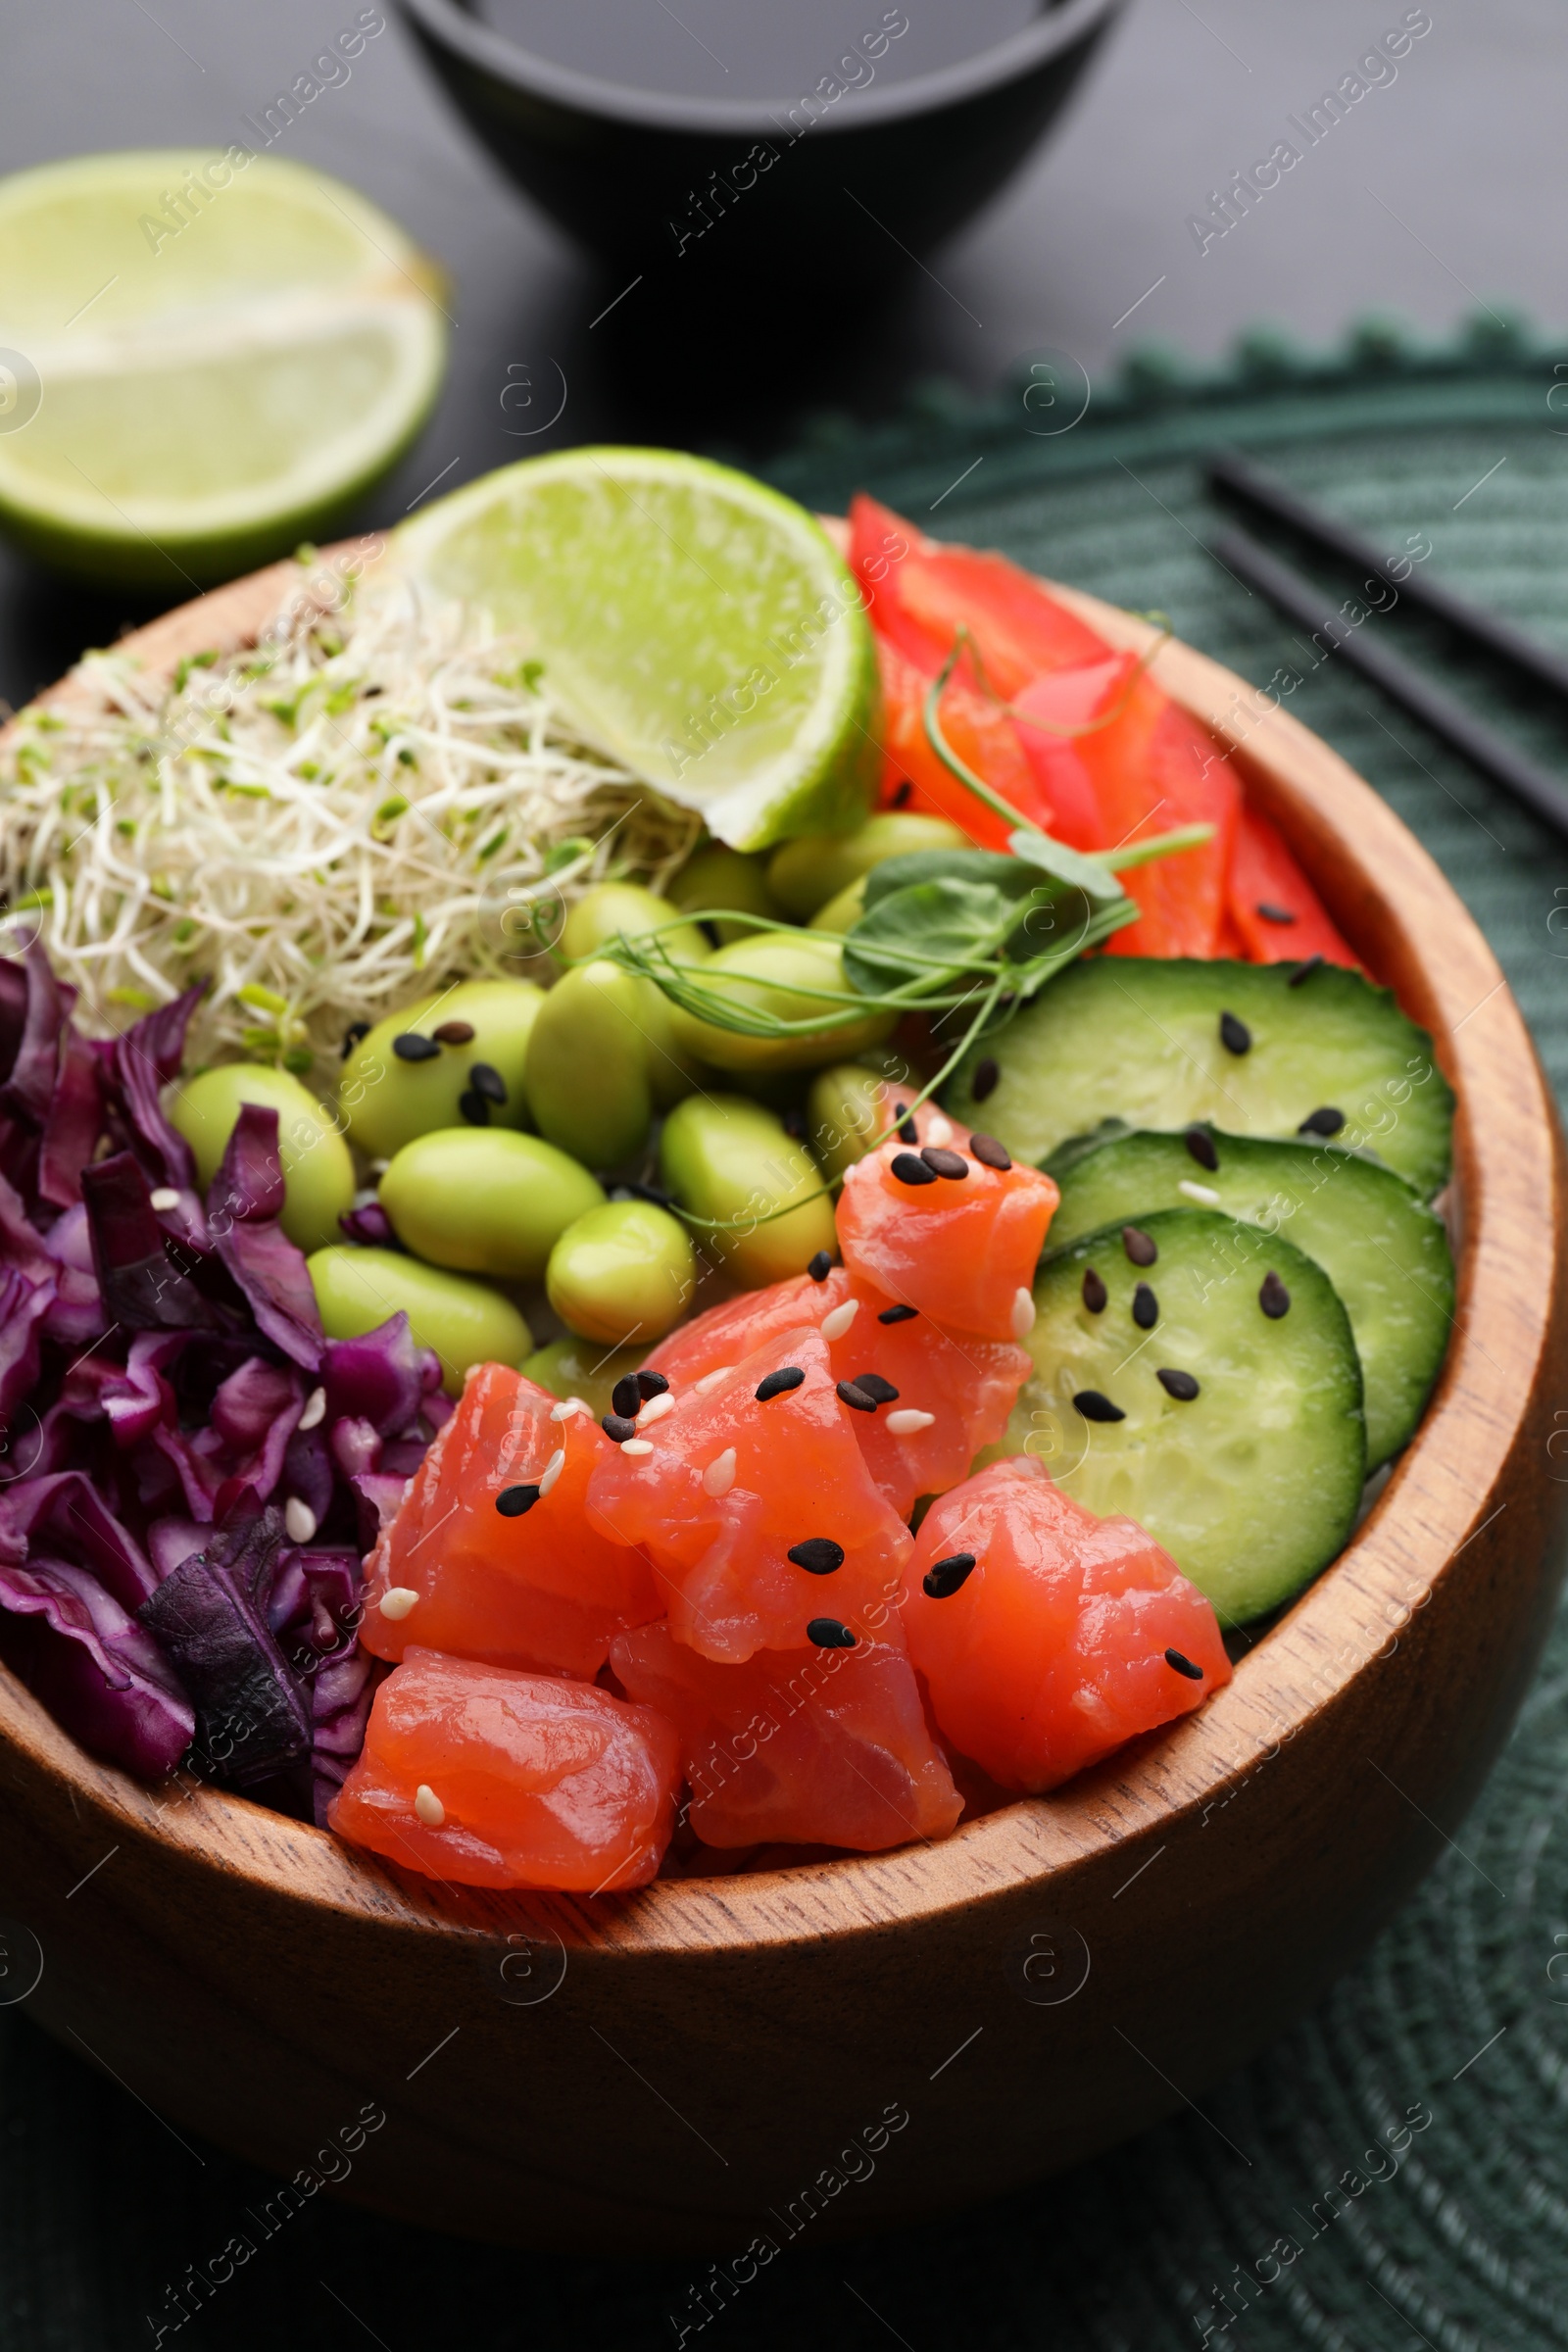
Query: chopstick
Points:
[1494, 635]
[1440, 712]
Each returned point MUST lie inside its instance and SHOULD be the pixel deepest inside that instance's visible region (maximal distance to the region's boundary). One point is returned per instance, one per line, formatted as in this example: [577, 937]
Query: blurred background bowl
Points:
[811, 189]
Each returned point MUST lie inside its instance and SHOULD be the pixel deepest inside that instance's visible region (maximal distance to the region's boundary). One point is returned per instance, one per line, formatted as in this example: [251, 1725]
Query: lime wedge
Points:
[692, 623]
[205, 356]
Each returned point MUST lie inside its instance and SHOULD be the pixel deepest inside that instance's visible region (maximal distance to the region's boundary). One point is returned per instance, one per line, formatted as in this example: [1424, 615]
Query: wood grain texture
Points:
[689, 2066]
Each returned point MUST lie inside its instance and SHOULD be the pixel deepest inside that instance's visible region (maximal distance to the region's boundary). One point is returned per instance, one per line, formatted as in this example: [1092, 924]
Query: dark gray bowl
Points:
[631, 173]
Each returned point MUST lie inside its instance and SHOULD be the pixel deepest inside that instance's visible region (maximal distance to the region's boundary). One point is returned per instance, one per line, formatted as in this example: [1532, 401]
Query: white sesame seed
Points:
[428, 1807]
[655, 1408]
[397, 1601]
[1205, 1194]
[719, 1476]
[835, 1325]
[710, 1380]
[566, 1408]
[637, 1445]
[1023, 1314]
[905, 1422]
[552, 1470]
[939, 1129]
[165, 1199]
[315, 1412]
[299, 1520]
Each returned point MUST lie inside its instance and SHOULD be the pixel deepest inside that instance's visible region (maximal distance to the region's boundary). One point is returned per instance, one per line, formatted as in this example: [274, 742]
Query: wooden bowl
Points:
[830, 2048]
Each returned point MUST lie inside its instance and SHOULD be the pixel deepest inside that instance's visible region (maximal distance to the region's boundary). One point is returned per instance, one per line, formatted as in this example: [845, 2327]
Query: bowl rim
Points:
[448, 25]
[1352, 1613]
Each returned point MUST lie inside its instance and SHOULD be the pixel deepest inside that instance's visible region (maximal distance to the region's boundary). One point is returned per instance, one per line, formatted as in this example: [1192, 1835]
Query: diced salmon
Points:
[960, 1249]
[489, 1777]
[806, 1746]
[732, 1482]
[543, 1589]
[1060, 1642]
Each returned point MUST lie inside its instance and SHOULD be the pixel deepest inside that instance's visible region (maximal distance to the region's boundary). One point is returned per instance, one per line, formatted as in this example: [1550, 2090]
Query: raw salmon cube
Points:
[739, 1476]
[487, 1777]
[538, 1588]
[1062, 1638]
[963, 1248]
[808, 1746]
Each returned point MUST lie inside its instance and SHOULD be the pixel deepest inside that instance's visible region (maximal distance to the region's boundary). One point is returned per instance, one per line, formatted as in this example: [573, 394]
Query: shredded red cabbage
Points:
[155, 1364]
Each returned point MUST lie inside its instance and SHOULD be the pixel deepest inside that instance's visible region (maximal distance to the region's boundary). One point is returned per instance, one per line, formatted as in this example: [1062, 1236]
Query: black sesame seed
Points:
[1141, 1247]
[990, 1154]
[352, 1036]
[951, 1165]
[907, 1132]
[908, 1169]
[619, 1427]
[651, 1384]
[779, 1383]
[898, 1314]
[1274, 914]
[855, 1398]
[1180, 1385]
[1095, 1407]
[1146, 1307]
[412, 1046]
[984, 1081]
[1273, 1297]
[903, 795]
[454, 1033]
[626, 1398]
[820, 1267]
[1200, 1144]
[872, 1384]
[1234, 1035]
[512, 1501]
[1324, 1121]
[1175, 1657]
[485, 1079]
[1095, 1292]
[943, 1579]
[1305, 971]
[474, 1108]
[828, 1633]
[818, 1555]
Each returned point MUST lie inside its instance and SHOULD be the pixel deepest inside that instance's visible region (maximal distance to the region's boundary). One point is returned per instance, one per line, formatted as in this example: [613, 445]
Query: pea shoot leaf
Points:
[1091, 875]
[929, 932]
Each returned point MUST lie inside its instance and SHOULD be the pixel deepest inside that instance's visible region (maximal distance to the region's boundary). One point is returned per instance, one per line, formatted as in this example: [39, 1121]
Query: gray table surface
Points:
[1437, 194]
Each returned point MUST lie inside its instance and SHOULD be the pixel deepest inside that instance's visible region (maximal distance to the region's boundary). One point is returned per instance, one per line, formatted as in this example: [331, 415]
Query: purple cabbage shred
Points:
[156, 1364]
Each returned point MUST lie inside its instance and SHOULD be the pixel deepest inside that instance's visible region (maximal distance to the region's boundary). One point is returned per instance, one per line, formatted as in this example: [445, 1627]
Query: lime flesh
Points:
[693, 625]
[203, 360]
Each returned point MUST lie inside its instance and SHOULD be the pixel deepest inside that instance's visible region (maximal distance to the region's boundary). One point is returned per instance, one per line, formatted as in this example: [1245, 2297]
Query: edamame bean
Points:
[616, 909]
[845, 1109]
[622, 1273]
[794, 975]
[588, 1066]
[467, 1323]
[416, 1071]
[803, 874]
[574, 1367]
[717, 876]
[612, 910]
[317, 1168]
[726, 1158]
[841, 914]
[493, 1202]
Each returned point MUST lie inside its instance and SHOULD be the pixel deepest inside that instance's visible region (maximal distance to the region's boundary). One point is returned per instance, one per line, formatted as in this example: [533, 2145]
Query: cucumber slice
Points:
[1251, 1485]
[1139, 1038]
[1385, 1252]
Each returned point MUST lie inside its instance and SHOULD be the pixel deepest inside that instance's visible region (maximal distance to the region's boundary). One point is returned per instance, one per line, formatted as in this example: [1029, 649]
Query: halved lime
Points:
[693, 625]
[205, 356]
